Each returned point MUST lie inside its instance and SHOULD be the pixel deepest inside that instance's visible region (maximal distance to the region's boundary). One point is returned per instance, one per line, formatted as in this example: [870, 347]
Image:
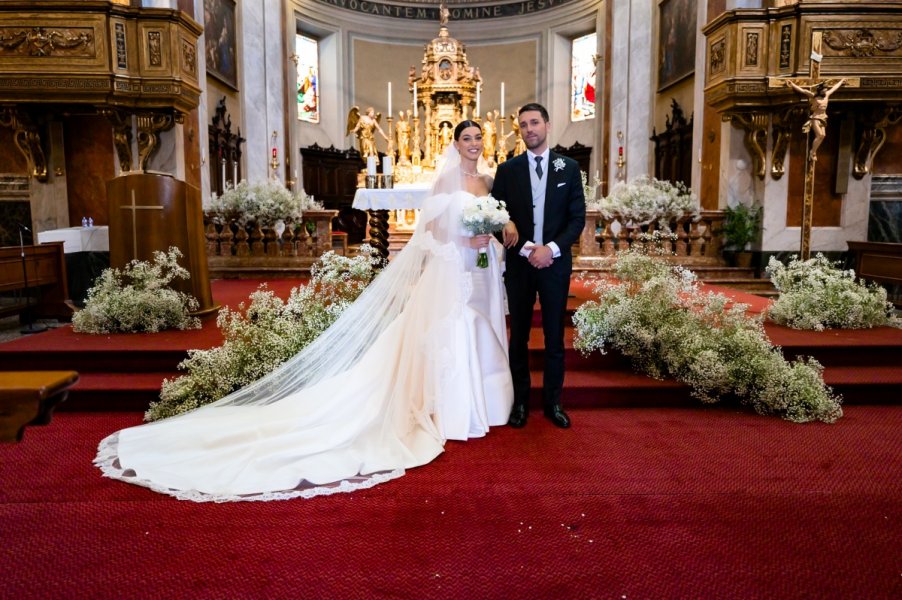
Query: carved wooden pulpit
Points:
[151, 212]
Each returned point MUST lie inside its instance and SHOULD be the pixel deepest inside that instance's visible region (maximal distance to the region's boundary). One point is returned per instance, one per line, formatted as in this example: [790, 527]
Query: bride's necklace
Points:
[468, 174]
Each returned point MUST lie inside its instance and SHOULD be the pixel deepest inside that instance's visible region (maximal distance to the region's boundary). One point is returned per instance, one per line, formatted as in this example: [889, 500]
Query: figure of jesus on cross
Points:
[818, 94]
[817, 117]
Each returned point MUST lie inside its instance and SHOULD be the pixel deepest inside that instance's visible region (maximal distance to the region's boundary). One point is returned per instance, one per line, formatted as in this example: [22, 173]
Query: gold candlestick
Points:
[415, 149]
[501, 155]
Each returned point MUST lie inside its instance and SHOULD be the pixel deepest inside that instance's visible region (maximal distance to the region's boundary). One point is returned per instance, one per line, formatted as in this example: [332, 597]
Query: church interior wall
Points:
[885, 206]
[887, 161]
[527, 53]
[13, 161]
[89, 166]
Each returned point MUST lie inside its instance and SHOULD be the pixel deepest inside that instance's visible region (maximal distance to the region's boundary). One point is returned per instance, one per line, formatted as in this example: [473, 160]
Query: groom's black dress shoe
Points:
[556, 415]
[518, 416]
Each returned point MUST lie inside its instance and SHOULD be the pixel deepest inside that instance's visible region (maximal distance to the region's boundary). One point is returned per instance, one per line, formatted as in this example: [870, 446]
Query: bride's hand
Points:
[480, 241]
[510, 234]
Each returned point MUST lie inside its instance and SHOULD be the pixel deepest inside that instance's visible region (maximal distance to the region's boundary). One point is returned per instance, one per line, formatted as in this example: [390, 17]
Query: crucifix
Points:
[818, 92]
[134, 207]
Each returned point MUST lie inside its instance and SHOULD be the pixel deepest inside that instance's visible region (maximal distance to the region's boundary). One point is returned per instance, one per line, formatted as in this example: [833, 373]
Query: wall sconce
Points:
[274, 164]
[621, 160]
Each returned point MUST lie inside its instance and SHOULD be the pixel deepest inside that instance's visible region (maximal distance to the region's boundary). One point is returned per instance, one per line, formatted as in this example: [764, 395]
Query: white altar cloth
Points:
[400, 196]
[79, 239]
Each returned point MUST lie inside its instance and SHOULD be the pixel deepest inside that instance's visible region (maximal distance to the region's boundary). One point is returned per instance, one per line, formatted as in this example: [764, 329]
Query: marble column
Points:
[262, 57]
[632, 76]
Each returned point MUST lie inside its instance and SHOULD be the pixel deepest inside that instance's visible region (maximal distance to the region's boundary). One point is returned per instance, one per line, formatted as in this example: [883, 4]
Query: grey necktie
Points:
[539, 166]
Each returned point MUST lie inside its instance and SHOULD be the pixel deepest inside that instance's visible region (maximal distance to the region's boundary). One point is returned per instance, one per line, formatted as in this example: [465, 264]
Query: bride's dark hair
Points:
[463, 125]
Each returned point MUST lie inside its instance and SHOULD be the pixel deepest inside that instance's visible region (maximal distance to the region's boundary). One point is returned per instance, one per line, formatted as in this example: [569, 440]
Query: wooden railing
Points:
[697, 242]
[252, 250]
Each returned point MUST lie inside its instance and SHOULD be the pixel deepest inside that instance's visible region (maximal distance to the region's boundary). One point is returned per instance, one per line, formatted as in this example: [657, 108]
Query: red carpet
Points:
[634, 503]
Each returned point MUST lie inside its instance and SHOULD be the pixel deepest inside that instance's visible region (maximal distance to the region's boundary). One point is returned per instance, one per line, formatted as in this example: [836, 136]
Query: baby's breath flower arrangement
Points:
[658, 317]
[816, 294]
[138, 299]
[265, 202]
[646, 199]
[264, 334]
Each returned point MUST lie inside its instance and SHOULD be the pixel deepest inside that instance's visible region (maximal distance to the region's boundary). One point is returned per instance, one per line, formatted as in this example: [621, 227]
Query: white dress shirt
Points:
[539, 185]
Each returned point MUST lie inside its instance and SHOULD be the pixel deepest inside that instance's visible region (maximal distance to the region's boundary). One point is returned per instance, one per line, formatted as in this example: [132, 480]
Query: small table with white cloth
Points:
[392, 214]
[87, 252]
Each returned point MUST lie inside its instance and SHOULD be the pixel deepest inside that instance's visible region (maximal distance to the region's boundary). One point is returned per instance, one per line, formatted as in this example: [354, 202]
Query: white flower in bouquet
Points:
[484, 214]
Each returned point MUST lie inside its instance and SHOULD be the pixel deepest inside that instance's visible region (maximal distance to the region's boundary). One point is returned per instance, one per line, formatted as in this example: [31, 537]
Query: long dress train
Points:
[419, 358]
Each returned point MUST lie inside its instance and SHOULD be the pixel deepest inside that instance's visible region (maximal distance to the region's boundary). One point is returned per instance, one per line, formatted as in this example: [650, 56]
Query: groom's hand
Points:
[541, 257]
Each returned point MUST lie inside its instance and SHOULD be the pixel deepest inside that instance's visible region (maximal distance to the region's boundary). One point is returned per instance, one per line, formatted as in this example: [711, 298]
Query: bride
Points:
[419, 358]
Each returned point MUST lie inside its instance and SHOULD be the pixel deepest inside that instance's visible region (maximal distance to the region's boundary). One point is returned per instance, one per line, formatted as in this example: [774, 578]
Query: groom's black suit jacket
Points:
[565, 205]
[565, 217]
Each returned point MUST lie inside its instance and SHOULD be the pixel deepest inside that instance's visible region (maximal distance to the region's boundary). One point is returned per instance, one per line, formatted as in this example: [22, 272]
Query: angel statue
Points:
[365, 127]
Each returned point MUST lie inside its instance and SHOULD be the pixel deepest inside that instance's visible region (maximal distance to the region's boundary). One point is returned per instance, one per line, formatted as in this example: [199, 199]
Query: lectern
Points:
[150, 212]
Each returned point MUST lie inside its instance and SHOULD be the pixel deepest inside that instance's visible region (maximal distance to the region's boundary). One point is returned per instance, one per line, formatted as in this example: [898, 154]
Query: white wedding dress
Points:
[419, 358]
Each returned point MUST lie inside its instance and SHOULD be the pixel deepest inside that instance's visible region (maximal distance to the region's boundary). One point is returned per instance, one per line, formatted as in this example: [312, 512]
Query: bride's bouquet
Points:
[484, 215]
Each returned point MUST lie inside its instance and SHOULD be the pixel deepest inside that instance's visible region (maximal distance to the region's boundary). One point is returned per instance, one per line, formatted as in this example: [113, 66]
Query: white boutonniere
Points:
[558, 164]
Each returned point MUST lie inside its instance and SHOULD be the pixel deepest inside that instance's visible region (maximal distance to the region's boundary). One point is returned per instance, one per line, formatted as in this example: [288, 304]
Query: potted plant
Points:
[741, 227]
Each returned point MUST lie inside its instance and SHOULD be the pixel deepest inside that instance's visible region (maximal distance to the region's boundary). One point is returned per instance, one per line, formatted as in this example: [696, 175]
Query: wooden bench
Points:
[880, 262]
[46, 269]
[29, 397]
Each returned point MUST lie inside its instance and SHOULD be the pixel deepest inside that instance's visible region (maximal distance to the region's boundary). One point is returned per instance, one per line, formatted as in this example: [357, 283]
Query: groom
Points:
[544, 195]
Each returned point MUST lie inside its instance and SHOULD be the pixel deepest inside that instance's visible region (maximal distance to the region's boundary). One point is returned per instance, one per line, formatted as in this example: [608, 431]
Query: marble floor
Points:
[11, 328]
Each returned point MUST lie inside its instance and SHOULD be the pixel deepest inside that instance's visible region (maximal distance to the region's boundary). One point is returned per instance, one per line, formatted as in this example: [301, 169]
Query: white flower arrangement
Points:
[138, 299]
[483, 214]
[658, 317]
[816, 294]
[646, 199]
[265, 203]
[264, 334]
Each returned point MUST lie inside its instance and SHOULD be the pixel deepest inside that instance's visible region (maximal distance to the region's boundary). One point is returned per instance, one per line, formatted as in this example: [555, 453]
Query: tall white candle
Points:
[389, 99]
[386, 165]
[414, 99]
[478, 88]
[502, 98]
[371, 165]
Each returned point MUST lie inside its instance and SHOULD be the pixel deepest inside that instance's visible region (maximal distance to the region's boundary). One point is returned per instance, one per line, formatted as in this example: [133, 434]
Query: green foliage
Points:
[267, 332]
[741, 226]
[138, 299]
[658, 317]
[816, 294]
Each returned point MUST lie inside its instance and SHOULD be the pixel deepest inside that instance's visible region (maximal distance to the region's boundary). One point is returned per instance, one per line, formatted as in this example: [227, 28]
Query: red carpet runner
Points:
[630, 503]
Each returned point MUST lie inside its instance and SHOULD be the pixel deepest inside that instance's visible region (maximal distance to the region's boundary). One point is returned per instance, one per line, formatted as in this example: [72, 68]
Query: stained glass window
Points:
[307, 51]
[582, 77]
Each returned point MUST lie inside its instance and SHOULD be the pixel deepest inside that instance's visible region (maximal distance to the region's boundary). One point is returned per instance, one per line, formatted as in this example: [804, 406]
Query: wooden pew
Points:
[29, 397]
[46, 269]
[880, 262]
